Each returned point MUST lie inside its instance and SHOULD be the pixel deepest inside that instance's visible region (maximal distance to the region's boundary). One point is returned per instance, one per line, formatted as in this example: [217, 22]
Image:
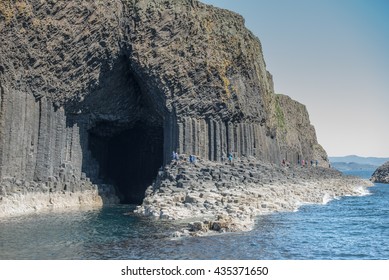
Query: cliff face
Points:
[381, 175]
[106, 90]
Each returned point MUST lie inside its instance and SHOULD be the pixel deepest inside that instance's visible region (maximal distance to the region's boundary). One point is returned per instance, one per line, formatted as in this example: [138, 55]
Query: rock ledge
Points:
[222, 197]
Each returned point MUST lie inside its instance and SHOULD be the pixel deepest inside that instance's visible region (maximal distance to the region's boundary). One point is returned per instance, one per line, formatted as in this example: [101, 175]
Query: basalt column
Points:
[213, 139]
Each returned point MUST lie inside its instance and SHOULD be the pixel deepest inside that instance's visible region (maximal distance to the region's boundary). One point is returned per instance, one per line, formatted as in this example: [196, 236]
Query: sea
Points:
[347, 228]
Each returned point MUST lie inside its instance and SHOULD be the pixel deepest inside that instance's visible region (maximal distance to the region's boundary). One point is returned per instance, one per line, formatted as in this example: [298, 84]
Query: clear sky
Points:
[332, 56]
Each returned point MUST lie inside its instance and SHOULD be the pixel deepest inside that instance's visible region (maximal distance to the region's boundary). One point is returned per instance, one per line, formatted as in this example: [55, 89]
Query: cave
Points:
[129, 159]
[126, 133]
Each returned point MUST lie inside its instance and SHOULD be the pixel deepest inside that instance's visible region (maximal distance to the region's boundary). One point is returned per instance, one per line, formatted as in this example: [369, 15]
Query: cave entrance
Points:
[124, 117]
[128, 159]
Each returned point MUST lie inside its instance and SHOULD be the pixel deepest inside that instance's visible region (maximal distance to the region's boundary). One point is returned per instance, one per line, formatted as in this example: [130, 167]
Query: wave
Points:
[327, 198]
[362, 191]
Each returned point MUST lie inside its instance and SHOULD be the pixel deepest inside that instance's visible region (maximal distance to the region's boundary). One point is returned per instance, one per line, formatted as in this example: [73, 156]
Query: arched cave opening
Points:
[128, 159]
[125, 131]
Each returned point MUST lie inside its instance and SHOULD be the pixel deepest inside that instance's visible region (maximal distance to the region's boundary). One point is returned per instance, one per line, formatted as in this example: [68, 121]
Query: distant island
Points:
[353, 162]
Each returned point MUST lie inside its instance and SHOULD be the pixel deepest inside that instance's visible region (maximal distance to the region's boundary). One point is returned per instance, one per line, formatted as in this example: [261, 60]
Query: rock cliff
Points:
[96, 94]
[381, 175]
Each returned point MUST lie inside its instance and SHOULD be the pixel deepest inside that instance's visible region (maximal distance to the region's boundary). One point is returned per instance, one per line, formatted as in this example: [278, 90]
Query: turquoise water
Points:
[348, 228]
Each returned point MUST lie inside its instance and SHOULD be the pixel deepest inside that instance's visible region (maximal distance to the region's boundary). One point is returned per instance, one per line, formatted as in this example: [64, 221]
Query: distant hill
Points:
[347, 166]
[374, 161]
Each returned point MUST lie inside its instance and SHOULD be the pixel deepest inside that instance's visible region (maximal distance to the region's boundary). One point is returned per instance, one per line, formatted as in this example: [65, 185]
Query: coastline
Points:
[205, 197]
[221, 197]
[16, 199]
[29, 203]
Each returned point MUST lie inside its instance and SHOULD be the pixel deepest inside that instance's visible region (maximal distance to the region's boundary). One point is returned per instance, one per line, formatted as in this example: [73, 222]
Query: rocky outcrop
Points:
[106, 90]
[381, 174]
[226, 197]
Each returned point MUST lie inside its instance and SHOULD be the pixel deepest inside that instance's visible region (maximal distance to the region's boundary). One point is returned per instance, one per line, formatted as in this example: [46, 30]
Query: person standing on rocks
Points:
[175, 156]
[192, 159]
[230, 157]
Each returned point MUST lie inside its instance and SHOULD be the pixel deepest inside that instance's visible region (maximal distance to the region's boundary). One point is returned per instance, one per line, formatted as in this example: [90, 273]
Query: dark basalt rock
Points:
[106, 90]
[381, 175]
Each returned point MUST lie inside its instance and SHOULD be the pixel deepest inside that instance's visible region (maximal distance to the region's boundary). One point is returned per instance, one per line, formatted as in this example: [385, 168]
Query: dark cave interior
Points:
[127, 133]
[129, 159]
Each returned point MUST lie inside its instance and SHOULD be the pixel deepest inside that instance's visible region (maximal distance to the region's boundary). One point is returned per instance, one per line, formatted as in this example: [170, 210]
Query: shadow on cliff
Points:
[121, 132]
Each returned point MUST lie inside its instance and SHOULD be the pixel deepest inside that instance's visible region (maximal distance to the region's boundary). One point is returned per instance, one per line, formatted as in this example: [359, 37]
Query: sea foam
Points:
[362, 191]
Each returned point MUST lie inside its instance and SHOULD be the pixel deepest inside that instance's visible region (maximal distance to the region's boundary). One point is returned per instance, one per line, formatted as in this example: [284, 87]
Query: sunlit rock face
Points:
[381, 175]
[104, 91]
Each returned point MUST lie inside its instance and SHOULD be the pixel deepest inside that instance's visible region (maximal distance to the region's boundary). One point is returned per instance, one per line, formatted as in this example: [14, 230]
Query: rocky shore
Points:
[20, 197]
[211, 197]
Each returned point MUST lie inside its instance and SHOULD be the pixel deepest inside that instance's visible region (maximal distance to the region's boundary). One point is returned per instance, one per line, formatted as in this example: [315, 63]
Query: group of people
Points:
[305, 163]
[192, 158]
[302, 162]
[176, 157]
